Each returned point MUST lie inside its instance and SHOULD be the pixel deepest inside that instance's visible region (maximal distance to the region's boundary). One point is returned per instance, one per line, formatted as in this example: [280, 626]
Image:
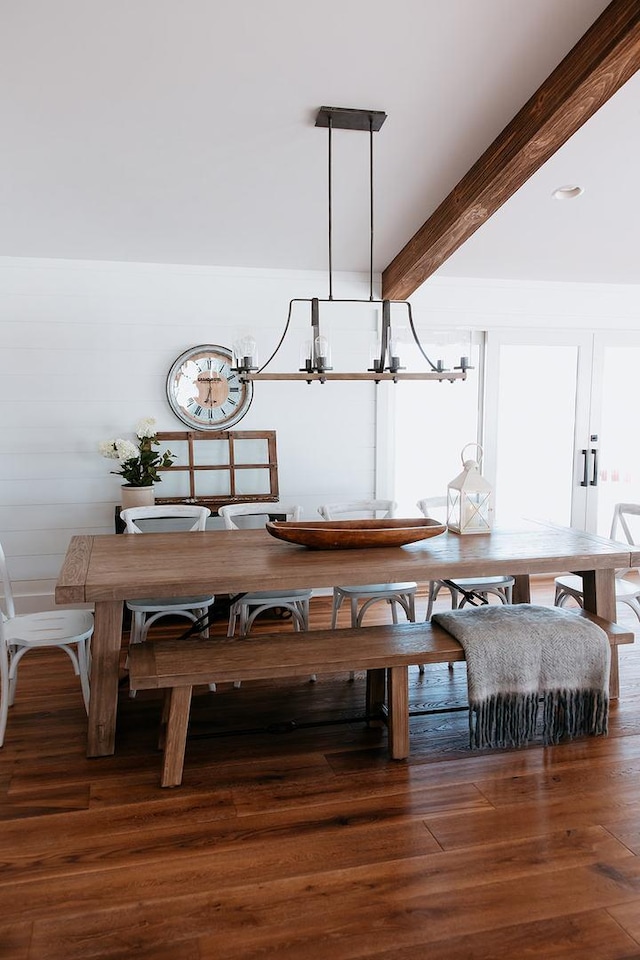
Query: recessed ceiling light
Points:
[567, 193]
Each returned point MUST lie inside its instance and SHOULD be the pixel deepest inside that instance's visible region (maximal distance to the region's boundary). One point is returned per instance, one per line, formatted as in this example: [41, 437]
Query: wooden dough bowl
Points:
[355, 534]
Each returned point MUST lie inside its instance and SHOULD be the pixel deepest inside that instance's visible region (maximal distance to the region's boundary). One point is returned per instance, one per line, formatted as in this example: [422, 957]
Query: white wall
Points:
[85, 348]
[491, 304]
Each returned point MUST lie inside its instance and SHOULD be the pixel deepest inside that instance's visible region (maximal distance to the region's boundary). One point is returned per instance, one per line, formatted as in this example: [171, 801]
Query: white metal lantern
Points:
[469, 498]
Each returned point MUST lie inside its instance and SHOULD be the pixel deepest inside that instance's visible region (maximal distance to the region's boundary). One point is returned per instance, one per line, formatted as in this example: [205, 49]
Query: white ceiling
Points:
[182, 131]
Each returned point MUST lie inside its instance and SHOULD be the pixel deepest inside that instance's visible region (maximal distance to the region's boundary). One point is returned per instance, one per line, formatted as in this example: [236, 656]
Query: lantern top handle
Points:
[479, 448]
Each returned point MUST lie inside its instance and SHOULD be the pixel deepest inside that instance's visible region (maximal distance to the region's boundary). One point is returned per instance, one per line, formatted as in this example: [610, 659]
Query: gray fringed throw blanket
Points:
[518, 656]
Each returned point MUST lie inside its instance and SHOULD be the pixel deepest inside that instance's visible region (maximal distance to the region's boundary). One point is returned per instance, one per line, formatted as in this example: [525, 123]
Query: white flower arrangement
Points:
[138, 462]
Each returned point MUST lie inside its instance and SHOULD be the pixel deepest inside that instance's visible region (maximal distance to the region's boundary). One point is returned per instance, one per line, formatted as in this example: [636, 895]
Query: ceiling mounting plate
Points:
[344, 118]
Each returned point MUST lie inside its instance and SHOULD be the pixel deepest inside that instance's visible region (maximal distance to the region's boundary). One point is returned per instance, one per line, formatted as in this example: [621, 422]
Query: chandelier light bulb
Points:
[322, 353]
[245, 353]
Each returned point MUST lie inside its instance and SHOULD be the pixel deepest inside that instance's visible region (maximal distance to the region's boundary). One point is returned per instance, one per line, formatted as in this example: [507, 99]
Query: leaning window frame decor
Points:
[233, 465]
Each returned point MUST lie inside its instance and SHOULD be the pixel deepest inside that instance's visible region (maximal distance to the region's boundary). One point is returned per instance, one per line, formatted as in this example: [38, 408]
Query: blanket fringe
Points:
[575, 713]
[511, 719]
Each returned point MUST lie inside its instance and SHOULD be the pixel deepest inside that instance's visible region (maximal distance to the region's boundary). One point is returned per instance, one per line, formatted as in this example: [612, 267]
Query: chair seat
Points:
[49, 629]
[296, 601]
[370, 593]
[573, 585]
[153, 604]
[377, 589]
[273, 596]
[469, 583]
[68, 630]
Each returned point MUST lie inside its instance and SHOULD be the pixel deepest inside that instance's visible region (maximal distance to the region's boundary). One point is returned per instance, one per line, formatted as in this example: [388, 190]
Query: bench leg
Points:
[600, 598]
[375, 696]
[162, 735]
[398, 678]
[176, 736]
[614, 675]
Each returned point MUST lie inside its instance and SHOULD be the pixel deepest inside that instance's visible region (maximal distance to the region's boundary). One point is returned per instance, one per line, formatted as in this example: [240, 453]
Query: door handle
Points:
[594, 478]
[585, 472]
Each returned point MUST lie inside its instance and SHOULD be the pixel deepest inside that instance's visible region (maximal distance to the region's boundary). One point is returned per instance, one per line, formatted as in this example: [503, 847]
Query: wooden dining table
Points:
[107, 570]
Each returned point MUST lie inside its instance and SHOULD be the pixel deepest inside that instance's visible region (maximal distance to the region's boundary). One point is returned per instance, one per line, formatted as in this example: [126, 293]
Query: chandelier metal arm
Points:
[280, 341]
[384, 334]
[379, 365]
[415, 335]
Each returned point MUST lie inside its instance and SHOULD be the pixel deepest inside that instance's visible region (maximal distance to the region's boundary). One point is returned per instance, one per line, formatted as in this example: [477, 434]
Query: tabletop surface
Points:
[118, 567]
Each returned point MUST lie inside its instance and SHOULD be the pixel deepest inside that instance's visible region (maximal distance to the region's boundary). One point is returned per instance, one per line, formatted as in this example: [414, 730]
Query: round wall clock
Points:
[203, 390]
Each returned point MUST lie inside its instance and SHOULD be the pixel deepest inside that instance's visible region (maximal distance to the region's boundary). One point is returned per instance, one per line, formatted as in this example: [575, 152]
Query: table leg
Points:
[599, 592]
[375, 696]
[398, 679]
[522, 589]
[105, 669]
[176, 736]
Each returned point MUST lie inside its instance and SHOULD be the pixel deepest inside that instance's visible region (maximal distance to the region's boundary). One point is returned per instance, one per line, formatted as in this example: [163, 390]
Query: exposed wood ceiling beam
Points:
[600, 63]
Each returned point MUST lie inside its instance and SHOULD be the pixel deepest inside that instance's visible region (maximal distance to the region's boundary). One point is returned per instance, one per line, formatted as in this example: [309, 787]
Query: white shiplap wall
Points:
[85, 348]
[85, 351]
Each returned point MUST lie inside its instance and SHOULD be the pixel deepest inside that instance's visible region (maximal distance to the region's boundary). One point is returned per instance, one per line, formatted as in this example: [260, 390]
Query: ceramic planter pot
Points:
[137, 496]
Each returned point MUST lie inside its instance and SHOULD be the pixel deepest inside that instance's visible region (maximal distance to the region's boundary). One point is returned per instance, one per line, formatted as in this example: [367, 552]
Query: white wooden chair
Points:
[393, 593]
[501, 587]
[147, 611]
[247, 607]
[626, 590]
[70, 630]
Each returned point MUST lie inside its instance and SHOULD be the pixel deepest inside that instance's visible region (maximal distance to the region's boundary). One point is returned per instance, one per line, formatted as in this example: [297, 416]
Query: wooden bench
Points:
[385, 652]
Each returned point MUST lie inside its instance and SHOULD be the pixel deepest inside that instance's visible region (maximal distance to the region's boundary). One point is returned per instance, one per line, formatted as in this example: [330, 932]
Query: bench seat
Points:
[384, 651]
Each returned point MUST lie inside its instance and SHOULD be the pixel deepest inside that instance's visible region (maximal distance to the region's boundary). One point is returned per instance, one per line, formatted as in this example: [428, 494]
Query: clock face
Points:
[203, 390]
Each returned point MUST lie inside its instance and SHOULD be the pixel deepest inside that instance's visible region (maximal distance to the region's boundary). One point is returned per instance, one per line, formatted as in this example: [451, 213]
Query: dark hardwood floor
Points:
[293, 835]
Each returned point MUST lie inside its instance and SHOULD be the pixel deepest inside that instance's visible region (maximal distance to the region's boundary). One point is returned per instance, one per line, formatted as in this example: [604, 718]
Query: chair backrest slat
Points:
[371, 508]
[427, 505]
[132, 515]
[231, 510]
[9, 607]
[621, 513]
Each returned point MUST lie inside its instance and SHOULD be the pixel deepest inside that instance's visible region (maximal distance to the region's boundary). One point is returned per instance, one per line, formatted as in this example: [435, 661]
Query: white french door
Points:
[559, 438]
[614, 406]
[422, 429]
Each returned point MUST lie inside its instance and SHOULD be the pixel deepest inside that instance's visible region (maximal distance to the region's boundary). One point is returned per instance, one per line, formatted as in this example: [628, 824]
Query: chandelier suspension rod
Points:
[370, 208]
[330, 193]
[330, 204]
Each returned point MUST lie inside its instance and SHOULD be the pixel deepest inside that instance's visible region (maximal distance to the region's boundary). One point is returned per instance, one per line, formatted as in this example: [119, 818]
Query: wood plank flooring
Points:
[294, 836]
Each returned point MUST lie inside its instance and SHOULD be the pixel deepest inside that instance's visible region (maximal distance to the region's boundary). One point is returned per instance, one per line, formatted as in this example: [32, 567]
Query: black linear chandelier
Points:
[386, 364]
